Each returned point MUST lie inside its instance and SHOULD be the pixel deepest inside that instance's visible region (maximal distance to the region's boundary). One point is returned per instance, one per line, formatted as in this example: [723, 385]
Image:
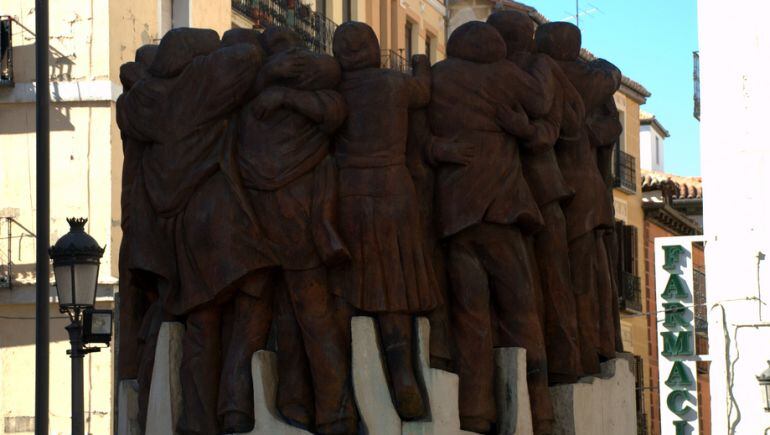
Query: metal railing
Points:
[6, 51]
[630, 292]
[625, 170]
[395, 60]
[315, 29]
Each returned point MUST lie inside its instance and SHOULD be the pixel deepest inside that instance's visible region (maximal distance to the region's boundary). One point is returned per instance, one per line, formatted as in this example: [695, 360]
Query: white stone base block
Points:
[604, 405]
[165, 403]
[514, 415]
[370, 385]
[128, 408]
[442, 388]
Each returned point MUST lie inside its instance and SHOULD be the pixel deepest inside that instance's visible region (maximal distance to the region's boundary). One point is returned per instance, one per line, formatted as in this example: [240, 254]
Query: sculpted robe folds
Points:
[491, 188]
[184, 119]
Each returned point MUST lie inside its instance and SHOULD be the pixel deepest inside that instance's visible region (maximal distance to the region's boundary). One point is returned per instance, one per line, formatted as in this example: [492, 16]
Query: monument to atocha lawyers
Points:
[275, 200]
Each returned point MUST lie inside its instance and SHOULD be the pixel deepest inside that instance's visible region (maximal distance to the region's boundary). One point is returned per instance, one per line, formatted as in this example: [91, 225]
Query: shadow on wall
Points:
[23, 121]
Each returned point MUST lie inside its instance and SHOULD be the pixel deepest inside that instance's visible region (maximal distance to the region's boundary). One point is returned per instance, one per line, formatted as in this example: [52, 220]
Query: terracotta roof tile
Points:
[677, 186]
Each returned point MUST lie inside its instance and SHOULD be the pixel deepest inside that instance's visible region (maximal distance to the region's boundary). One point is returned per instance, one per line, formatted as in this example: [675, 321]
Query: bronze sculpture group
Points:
[270, 193]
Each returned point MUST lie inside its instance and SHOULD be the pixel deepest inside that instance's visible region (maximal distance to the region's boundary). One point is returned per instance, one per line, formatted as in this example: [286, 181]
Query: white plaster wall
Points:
[735, 152]
[647, 136]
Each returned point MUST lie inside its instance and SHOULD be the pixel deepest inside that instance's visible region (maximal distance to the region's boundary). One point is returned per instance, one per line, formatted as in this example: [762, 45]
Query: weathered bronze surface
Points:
[270, 193]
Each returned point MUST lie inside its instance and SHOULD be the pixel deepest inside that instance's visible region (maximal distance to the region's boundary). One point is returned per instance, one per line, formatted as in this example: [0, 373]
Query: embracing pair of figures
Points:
[270, 193]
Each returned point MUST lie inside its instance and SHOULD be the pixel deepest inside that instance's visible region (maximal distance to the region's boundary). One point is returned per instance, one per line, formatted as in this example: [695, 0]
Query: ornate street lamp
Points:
[76, 268]
[764, 384]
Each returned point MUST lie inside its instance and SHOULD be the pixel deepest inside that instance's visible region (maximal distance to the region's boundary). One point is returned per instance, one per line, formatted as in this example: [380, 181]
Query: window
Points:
[657, 150]
[622, 138]
[629, 283]
[429, 47]
[347, 10]
[6, 51]
[320, 6]
[408, 37]
[165, 14]
[180, 15]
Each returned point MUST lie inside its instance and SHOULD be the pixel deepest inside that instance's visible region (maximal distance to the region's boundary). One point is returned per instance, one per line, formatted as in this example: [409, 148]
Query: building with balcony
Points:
[671, 209]
[651, 146]
[403, 27]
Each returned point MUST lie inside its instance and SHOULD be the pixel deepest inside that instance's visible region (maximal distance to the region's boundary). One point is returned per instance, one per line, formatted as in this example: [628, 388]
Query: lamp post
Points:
[76, 268]
[764, 384]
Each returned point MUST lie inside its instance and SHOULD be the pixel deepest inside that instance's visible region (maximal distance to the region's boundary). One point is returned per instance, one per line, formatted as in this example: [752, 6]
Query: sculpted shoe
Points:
[345, 426]
[475, 424]
[409, 403]
[297, 415]
[237, 422]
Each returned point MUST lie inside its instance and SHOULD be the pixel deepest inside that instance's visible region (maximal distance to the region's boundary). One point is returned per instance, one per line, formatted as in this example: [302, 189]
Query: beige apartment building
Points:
[89, 40]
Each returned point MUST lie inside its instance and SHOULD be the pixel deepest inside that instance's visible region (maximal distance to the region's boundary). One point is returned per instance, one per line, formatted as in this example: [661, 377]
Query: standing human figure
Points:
[545, 180]
[391, 274]
[589, 213]
[484, 209]
[181, 126]
[283, 159]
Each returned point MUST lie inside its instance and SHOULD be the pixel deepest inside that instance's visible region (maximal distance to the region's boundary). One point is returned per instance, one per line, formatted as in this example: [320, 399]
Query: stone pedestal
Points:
[604, 405]
[128, 408]
[511, 393]
[165, 403]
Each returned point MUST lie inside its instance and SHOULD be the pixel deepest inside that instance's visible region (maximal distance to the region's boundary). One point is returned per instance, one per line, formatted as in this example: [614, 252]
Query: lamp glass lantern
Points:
[76, 267]
[764, 384]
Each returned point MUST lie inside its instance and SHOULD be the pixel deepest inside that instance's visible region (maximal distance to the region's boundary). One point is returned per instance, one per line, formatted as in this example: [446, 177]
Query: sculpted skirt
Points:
[379, 219]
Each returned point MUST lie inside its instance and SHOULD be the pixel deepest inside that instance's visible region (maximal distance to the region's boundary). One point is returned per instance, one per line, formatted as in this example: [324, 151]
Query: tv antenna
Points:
[585, 12]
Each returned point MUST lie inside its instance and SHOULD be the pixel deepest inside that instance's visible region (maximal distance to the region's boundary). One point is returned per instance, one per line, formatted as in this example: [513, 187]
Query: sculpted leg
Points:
[147, 340]
[328, 349]
[607, 300]
[251, 317]
[200, 371]
[295, 382]
[582, 254]
[516, 304]
[561, 327]
[470, 319]
[397, 344]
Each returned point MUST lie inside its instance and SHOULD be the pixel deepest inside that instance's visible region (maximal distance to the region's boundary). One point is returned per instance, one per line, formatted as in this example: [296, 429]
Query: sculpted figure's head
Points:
[179, 47]
[241, 36]
[559, 40]
[517, 30]
[476, 41]
[132, 72]
[278, 39]
[356, 47]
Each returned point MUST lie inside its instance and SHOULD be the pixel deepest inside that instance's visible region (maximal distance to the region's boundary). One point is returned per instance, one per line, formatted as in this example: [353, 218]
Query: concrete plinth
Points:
[604, 405]
[128, 408]
[514, 415]
[165, 403]
[442, 388]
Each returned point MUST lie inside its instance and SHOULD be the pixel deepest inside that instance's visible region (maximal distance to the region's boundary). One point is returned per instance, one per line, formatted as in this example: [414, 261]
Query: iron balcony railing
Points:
[395, 60]
[6, 51]
[315, 29]
[625, 170]
[630, 292]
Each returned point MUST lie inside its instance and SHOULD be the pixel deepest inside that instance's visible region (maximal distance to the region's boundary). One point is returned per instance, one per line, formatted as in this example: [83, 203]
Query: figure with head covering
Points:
[289, 179]
[484, 210]
[182, 212]
[589, 214]
[545, 180]
[391, 274]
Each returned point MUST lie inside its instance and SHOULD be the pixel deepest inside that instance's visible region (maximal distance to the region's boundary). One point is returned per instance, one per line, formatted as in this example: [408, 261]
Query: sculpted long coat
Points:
[179, 197]
[588, 209]
[380, 220]
[491, 188]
